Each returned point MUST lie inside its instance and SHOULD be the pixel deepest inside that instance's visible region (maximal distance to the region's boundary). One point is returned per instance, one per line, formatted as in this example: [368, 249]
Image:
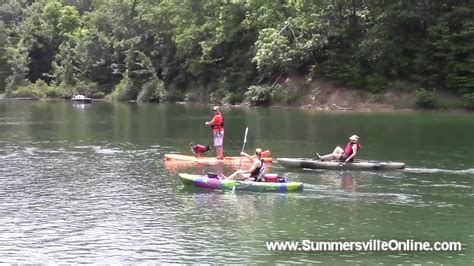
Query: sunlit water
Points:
[89, 185]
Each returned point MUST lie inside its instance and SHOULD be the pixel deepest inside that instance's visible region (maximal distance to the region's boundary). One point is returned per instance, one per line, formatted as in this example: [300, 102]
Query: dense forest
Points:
[233, 51]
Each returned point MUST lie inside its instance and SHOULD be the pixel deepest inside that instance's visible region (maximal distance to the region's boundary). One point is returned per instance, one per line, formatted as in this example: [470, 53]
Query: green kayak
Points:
[204, 181]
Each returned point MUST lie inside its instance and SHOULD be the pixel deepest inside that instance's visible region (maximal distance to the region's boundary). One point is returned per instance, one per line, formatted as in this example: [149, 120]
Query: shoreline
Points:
[360, 107]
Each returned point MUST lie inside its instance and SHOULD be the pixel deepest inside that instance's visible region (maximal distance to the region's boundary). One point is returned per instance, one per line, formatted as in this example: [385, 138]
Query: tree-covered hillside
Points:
[230, 51]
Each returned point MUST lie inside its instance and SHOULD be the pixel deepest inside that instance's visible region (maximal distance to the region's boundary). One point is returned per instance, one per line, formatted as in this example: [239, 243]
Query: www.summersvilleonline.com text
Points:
[369, 245]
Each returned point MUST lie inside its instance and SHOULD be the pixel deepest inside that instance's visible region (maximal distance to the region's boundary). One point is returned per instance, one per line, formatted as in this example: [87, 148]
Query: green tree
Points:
[4, 71]
[63, 67]
[219, 50]
[140, 79]
[18, 61]
[452, 61]
[273, 51]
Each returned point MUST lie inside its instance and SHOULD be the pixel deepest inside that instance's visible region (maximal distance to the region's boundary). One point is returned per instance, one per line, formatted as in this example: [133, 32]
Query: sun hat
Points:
[354, 138]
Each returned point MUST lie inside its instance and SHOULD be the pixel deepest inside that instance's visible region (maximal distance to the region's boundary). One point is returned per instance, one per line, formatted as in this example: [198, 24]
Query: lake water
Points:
[88, 184]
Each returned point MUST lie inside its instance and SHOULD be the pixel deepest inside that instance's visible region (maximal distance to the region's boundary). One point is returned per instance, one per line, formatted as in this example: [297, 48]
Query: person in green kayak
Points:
[343, 155]
[257, 171]
[217, 125]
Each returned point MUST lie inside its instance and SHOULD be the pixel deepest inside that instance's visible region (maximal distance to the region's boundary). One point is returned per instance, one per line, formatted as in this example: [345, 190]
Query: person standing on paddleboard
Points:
[217, 124]
[343, 155]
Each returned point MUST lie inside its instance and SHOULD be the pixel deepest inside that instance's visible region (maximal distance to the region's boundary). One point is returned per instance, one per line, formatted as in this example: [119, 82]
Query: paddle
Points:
[232, 143]
[243, 148]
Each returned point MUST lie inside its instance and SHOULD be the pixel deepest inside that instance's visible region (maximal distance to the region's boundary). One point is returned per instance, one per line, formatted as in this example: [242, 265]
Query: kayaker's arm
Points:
[254, 166]
[246, 155]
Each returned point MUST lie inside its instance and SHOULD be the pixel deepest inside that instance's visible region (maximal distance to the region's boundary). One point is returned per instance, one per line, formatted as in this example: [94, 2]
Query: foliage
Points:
[174, 96]
[90, 89]
[452, 51]
[400, 85]
[192, 96]
[468, 100]
[41, 89]
[56, 91]
[426, 98]
[259, 95]
[272, 50]
[218, 96]
[233, 98]
[18, 62]
[152, 91]
[375, 83]
[4, 72]
[28, 92]
[140, 79]
[218, 50]
[35, 90]
[287, 95]
[124, 90]
[64, 69]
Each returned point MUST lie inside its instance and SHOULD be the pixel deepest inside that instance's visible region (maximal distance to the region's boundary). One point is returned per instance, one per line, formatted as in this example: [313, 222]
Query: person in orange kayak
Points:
[343, 155]
[217, 124]
[257, 171]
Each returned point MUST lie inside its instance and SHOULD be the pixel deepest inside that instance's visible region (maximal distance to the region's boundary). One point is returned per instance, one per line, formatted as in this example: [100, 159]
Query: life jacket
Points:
[199, 148]
[220, 125]
[259, 172]
[348, 150]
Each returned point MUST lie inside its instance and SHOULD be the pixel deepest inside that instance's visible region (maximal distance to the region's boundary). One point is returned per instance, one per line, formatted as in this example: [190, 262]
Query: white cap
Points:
[354, 138]
[215, 108]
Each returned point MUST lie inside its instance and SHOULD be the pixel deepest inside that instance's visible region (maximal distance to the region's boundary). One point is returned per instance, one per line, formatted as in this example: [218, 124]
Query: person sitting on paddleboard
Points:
[346, 155]
[217, 124]
[257, 171]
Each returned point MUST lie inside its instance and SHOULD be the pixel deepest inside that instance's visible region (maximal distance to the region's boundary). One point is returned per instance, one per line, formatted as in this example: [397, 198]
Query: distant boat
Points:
[81, 99]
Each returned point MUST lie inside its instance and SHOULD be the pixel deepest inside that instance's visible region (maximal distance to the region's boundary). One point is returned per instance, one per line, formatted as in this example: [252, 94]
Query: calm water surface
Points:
[88, 184]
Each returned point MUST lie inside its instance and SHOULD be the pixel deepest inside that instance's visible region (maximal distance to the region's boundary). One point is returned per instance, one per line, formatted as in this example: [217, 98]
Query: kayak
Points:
[178, 166]
[334, 165]
[203, 181]
[212, 160]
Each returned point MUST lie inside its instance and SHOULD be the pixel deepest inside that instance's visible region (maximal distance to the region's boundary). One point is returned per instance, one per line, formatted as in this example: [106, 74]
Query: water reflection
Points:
[338, 180]
[81, 106]
[348, 183]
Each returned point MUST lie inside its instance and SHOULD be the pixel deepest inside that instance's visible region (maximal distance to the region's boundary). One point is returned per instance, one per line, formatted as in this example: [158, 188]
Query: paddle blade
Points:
[266, 153]
[243, 146]
[246, 131]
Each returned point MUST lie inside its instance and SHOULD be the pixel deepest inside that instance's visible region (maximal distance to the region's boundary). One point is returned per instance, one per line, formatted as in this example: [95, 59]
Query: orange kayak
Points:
[212, 160]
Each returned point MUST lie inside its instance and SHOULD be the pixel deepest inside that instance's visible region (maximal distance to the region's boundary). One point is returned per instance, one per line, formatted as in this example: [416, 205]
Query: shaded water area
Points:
[88, 184]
